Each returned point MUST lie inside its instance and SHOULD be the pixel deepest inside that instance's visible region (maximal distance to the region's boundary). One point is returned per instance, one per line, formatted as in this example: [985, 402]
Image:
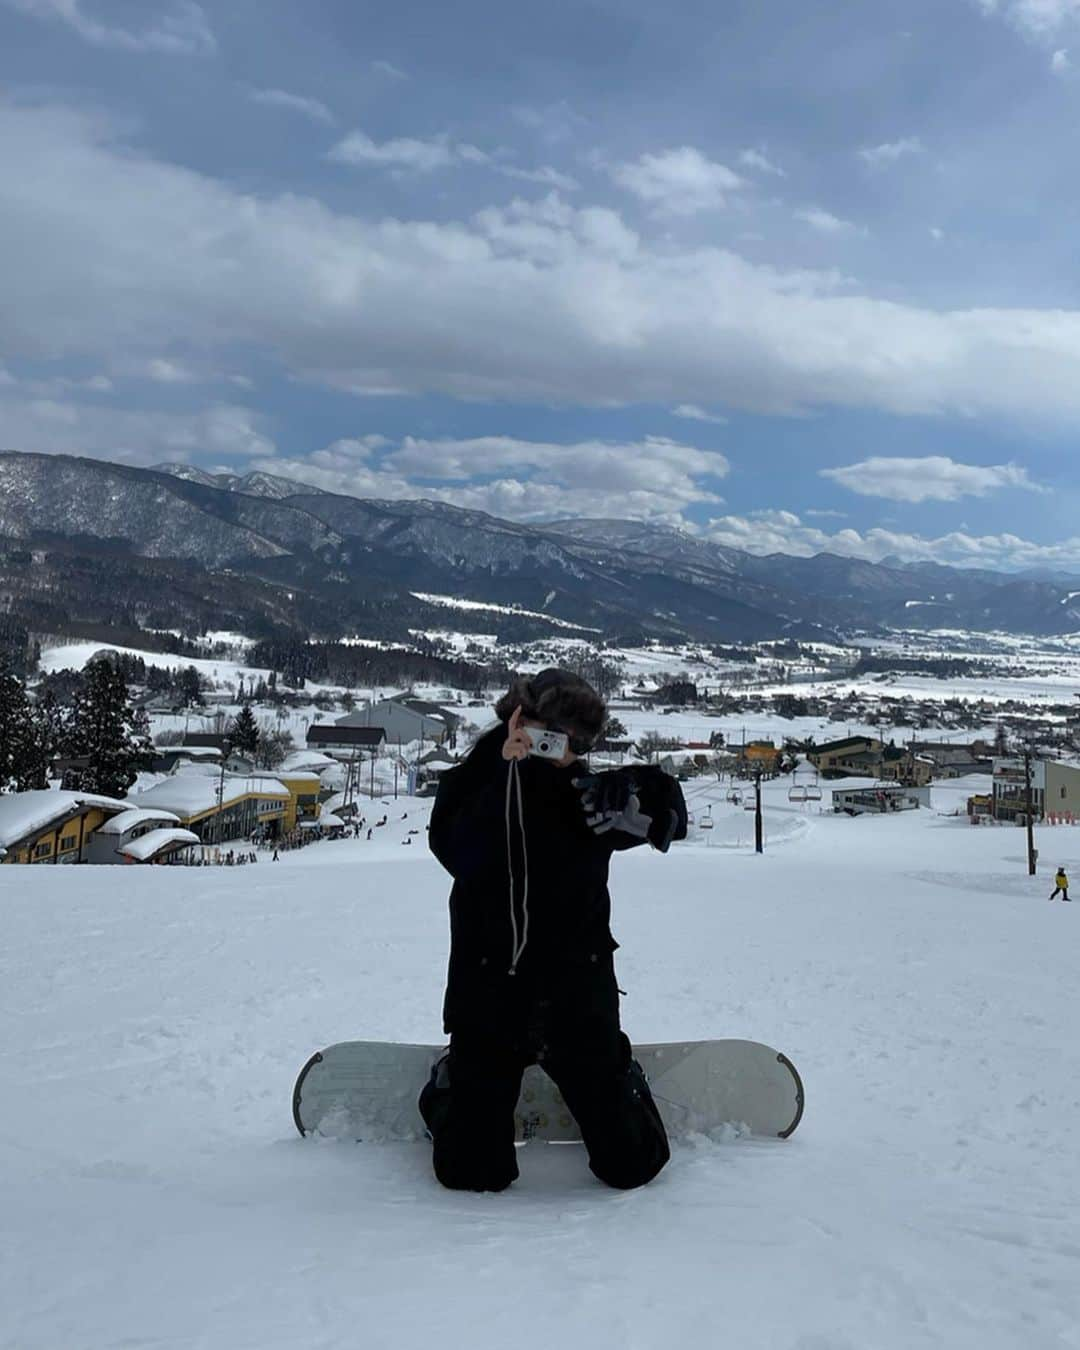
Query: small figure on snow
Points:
[528, 839]
[1061, 885]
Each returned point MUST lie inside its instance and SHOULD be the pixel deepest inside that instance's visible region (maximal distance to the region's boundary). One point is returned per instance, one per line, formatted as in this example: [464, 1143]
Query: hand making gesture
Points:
[518, 743]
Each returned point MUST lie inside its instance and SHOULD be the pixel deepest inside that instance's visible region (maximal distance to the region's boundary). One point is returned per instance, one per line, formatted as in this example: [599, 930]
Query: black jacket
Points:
[530, 878]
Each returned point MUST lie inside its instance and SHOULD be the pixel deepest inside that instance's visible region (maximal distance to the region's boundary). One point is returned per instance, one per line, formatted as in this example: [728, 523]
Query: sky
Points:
[793, 278]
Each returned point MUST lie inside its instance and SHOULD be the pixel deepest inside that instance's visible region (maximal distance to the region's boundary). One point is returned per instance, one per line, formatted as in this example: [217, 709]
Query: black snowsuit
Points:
[531, 975]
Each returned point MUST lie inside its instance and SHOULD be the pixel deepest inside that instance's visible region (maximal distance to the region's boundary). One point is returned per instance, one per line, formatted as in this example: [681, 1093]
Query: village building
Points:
[850, 757]
[406, 718]
[148, 834]
[954, 760]
[879, 799]
[760, 757]
[217, 808]
[44, 826]
[345, 742]
[168, 758]
[1055, 789]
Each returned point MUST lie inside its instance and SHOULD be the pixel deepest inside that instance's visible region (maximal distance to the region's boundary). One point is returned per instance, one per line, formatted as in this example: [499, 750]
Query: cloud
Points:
[168, 372]
[1059, 62]
[54, 422]
[654, 478]
[551, 231]
[107, 254]
[553, 123]
[891, 151]
[823, 221]
[679, 182]
[55, 386]
[307, 107]
[439, 152]
[1035, 19]
[387, 68]
[183, 30]
[776, 531]
[696, 414]
[929, 478]
[403, 152]
[754, 159]
[546, 174]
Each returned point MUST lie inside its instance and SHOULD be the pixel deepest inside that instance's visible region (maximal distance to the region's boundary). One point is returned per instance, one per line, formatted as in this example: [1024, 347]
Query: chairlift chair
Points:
[706, 822]
[734, 796]
[813, 792]
[796, 794]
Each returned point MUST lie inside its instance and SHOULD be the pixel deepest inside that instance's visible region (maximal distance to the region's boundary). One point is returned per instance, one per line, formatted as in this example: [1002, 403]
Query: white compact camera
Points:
[547, 744]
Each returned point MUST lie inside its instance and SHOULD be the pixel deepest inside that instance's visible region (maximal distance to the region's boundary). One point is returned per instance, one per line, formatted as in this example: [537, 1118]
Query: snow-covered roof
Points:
[190, 794]
[150, 844]
[337, 803]
[299, 776]
[301, 760]
[25, 813]
[127, 820]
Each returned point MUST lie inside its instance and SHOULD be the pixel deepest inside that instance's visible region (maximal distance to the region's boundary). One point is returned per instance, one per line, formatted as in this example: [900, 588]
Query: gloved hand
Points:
[611, 803]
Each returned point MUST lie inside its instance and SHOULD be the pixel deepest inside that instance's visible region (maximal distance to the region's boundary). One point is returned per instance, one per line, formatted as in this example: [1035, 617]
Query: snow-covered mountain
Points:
[616, 576]
[253, 484]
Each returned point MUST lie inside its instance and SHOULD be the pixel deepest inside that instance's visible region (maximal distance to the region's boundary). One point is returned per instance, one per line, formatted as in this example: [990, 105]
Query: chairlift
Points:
[813, 792]
[797, 794]
[706, 821]
[734, 796]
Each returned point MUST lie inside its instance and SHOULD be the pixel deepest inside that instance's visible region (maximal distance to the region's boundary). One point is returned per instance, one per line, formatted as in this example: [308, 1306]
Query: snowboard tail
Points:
[368, 1090]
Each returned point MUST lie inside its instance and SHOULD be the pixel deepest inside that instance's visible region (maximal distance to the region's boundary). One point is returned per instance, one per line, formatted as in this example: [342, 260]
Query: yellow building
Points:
[853, 756]
[51, 827]
[303, 789]
[760, 757]
[219, 808]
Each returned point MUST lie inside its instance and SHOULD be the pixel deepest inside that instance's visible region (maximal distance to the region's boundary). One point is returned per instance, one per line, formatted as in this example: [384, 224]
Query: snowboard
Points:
[367, 1090]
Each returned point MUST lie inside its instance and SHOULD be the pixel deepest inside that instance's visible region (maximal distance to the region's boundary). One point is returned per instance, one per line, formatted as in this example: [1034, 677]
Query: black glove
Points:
[611, 802]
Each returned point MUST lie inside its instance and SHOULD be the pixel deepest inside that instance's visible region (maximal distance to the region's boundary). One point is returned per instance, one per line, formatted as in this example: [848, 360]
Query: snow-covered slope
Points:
[156, 1195]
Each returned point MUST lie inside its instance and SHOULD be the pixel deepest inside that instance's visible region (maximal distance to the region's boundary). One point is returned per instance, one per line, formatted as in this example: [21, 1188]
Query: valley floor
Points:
[156, 1195]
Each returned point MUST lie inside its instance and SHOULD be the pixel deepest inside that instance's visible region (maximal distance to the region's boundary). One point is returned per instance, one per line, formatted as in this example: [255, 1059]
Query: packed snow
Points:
[157, 1195]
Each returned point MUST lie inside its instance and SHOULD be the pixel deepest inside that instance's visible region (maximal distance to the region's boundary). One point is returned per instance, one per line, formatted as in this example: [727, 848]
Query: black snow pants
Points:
[568, 1024]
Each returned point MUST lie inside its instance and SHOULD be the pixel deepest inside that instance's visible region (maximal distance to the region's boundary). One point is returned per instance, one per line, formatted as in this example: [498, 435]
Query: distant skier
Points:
[1061, 885]
[528, 841]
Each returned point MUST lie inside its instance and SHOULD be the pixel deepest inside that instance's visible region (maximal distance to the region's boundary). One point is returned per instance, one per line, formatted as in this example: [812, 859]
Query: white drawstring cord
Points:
[512, 781]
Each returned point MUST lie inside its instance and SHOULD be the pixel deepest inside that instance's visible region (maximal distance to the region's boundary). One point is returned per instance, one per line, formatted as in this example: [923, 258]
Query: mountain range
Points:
[334, 564]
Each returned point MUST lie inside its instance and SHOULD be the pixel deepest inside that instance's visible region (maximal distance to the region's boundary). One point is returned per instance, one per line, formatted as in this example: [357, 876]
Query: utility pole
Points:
[1028, 812]
[759, 834]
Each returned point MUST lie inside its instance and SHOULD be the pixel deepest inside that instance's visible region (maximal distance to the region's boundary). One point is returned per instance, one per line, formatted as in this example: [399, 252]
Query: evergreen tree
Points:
[108, 731]
[190, 688]
[14, 716]
[244, 732]
[273, 745]
[45, 738]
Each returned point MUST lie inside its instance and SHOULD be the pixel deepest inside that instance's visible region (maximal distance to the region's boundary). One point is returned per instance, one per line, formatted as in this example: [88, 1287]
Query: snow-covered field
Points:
[156, 1196]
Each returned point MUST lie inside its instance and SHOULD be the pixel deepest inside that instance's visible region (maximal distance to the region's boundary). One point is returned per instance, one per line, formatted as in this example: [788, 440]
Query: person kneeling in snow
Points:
[528, 841]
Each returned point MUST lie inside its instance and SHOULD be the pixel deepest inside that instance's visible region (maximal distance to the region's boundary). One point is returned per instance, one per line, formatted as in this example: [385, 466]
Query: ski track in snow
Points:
[156, 1195]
